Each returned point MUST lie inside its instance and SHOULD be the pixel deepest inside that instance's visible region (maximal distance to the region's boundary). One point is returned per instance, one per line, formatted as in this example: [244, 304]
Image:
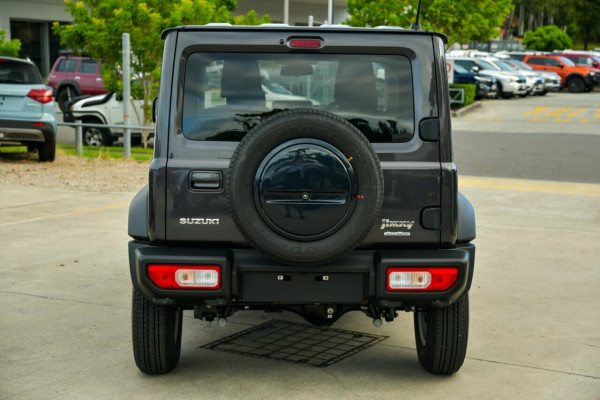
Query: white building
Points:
[31, 21]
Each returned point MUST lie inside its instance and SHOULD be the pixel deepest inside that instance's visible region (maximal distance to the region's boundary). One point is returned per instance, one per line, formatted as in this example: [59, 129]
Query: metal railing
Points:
[78, 126]
[457, 95]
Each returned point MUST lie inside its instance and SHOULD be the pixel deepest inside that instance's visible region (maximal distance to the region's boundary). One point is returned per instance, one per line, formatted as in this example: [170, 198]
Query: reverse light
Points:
[421, 279]
[305, 43]
[42, 95]
[206, 277]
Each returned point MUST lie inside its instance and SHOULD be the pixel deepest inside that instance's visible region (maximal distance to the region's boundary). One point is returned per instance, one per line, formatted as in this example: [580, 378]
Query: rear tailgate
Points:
[14, 103]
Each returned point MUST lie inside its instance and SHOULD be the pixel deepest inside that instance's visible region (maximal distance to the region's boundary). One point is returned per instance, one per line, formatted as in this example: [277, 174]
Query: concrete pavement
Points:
[65, 297]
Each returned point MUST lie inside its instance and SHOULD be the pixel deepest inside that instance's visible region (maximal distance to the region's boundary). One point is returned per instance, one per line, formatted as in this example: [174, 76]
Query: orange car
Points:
[576, 79]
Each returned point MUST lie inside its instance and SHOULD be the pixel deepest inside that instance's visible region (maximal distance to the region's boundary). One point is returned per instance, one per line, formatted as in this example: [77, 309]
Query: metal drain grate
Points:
[296, 343]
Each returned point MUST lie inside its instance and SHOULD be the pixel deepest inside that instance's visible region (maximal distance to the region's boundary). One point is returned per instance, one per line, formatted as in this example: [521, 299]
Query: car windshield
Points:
[486, 65]
[19, 73]
[227, 94]
[566, 61]
[275, 88]
[596, 60]
[460, 69]
[522, 65]
[503, 66]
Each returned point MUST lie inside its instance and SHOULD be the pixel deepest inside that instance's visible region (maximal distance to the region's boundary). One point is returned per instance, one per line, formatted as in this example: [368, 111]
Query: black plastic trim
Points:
[103, 100]
[137, 226]
[431, 218]
[429, 129]
[369, 265]
[466, 220]
[47, 130]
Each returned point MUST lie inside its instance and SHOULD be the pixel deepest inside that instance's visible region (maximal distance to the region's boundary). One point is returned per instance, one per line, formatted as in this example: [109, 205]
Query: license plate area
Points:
[302, 287]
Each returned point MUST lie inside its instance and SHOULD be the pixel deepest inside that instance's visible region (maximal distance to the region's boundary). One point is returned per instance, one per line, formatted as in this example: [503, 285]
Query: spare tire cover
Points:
[304, 187]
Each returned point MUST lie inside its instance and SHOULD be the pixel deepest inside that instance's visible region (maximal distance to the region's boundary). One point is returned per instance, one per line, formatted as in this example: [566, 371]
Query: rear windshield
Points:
[19, 73]
[227, 94]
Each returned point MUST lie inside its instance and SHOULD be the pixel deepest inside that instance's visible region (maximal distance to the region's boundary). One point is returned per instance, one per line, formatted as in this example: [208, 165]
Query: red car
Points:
[74, 76]
[575, 78]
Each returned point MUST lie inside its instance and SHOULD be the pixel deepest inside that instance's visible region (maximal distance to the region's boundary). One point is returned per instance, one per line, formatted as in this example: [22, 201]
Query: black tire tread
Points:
[47, 151]
[447, 336]
[152, 330]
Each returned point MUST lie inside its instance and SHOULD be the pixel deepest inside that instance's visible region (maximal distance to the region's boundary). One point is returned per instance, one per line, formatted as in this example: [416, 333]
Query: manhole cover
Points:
[296, 343]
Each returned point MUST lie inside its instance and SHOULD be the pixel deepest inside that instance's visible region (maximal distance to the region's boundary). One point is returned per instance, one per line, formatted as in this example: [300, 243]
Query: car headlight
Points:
[592, 73]
[513, 78]
[483, 80]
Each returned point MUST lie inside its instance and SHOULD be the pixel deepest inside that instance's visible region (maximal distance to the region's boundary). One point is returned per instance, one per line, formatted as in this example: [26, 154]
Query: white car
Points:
[551, 79]
[535, 82]
[106, 110]
[509, 83]
[275, 93]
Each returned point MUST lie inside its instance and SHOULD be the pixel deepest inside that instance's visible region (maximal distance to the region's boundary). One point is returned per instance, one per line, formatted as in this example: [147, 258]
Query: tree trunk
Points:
[521, 21]
[541, 18]
[551, 20]
[530, 21]
[508, 32]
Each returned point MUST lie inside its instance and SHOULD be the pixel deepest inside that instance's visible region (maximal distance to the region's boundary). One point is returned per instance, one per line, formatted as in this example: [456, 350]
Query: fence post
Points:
[126, 98]
[79, 138]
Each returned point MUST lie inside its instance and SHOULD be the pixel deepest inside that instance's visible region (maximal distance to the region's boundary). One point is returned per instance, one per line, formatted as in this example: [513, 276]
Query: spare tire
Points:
[304, 187]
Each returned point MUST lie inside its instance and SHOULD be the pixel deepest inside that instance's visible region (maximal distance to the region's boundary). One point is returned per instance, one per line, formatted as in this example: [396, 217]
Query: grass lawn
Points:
[137, 153]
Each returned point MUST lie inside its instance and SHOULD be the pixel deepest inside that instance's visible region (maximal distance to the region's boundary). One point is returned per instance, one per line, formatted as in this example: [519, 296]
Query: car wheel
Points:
[47, 151]
[543, 93]
[441, 336]
[93, 136]
[576, 84]
[156, 331]
[501, 94]
[317, 187]
[67, 93]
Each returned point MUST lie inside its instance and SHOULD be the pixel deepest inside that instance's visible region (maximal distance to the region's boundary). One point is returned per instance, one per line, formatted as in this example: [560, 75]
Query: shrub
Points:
[547, 38]
[9, 48]
[469, 89]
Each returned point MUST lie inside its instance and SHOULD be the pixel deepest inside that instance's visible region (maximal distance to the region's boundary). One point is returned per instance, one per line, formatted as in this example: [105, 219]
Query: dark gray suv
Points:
[334, 192]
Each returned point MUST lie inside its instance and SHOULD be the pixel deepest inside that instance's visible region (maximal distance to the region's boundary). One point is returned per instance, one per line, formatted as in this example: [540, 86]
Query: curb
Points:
[467, 109]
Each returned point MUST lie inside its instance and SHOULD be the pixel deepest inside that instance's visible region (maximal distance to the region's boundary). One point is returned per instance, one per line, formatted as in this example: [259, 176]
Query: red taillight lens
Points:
[42, 95]
[206, 277]
[421, 279]
[39, 124]
[305, 43]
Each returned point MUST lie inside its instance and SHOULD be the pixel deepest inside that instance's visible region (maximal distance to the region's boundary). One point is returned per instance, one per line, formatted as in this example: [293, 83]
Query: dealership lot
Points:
[535, 313]
[65, 290]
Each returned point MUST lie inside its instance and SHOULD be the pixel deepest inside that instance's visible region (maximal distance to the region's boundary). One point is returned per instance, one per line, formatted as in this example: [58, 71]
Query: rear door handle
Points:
[206, 180]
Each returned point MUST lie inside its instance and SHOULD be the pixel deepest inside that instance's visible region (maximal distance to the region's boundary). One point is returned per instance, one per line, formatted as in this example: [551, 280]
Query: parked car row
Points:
[576, 71]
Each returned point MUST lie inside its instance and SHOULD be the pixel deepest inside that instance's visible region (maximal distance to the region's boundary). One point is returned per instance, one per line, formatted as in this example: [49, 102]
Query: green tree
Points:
[98, 26]
[547, 38]
[586, 23]
[461, 20]
[9, 48]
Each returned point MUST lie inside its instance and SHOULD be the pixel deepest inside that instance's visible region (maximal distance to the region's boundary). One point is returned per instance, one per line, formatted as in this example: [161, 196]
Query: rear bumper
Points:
[592, 80]
[247, 278]
[23, 131]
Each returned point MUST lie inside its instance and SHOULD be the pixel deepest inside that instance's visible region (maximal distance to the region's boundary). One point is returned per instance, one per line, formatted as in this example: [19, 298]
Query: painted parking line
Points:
[526, 185]
[563, 115]
[87, 210]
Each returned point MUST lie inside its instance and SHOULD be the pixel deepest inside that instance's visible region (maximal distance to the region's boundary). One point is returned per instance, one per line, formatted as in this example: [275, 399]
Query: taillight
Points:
[305, 43]
[185, 276]
[421, 279]
[42, 95]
